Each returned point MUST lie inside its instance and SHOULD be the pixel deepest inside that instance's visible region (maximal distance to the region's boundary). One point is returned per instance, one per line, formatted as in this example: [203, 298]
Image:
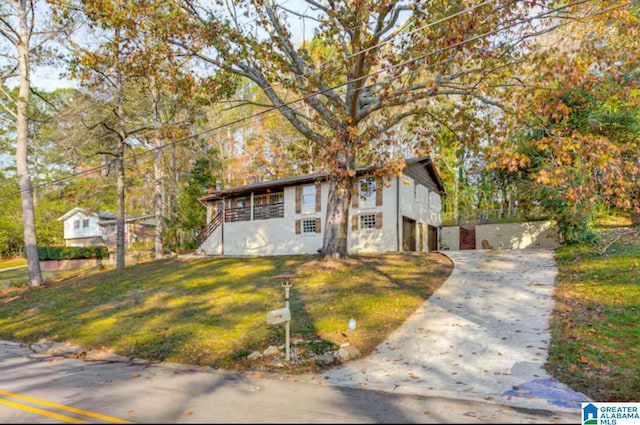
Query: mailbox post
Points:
[285, 281]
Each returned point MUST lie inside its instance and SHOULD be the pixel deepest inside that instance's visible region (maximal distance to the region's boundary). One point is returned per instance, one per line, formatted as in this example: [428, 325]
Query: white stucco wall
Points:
[449, 238]
[376, 240]
[532, 234]
[93, 230]
[212, 245]
[421, 205]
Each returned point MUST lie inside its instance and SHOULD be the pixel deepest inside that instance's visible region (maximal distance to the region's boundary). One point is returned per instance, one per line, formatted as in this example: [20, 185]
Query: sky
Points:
[49, 78]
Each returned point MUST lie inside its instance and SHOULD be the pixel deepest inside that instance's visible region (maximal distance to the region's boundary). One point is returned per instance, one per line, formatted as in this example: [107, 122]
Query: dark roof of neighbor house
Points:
[311, 178]
[110, 218]
[105, 217]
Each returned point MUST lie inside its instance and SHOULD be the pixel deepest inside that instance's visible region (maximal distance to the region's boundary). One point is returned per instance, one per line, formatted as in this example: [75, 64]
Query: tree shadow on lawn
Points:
[183, 314]
[205, 311]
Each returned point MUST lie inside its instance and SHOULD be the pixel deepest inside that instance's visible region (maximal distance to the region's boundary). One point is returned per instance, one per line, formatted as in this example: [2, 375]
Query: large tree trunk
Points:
[120, 222]
[122, 144]
[24, 181]
[336, 221]
[158, 177]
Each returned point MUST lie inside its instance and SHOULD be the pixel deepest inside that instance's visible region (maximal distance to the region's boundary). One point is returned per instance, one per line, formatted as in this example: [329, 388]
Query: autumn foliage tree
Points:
[580, 145]
[140, 79]
[368, 66]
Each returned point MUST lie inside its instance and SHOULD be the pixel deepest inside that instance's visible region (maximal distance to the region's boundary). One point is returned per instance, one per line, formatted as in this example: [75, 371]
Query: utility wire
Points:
[273, 108]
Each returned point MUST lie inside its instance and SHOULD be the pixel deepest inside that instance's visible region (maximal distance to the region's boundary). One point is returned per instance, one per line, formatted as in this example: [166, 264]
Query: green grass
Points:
[12, 262]
[213, 311]
[20, 277]
[596, 325]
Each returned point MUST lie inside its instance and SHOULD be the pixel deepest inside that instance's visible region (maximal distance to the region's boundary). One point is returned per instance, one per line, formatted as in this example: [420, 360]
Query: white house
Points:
[84, 228]
[286, 216]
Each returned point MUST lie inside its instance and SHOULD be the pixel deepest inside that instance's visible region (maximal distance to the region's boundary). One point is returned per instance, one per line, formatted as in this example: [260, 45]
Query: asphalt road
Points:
[37, 388]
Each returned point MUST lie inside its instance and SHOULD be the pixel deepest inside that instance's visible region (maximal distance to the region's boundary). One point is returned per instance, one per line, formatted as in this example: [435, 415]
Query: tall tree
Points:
[386, 61]
[24, 29]
[580, 145]
[133, 58]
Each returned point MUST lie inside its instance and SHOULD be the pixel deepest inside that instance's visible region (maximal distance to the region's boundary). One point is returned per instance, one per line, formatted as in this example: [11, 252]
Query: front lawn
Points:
[20, 277]
[595, 345]
[213, 311]
[12, 262]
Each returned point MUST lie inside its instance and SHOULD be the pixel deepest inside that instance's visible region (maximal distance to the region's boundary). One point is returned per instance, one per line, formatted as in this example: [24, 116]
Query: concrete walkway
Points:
[482, 335]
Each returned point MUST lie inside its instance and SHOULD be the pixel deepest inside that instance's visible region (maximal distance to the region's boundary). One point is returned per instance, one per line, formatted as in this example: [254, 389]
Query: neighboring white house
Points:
[84, 228]
[286, 216]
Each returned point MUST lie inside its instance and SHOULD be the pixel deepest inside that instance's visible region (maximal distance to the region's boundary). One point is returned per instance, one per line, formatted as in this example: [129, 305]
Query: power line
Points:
[322, 65]
[273, 108]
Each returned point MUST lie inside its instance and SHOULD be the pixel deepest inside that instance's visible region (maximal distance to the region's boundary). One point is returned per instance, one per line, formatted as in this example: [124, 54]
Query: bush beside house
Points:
[71, 257]
[72, 252]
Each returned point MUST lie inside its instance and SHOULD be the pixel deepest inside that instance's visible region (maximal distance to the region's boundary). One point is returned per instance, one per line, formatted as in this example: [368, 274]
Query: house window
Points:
[268, 205]
[309, 198]
[76, 224]
[367, 192]
[367, 221]
[276, 198]
[309, 225]
[85, 223]
[415, 191]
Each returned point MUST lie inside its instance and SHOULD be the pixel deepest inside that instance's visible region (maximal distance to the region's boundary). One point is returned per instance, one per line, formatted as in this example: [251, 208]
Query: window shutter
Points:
[354, 222]
[379, 187]
[318, 197]
[318, 228]
[379, 220]
[355, 195]
[298, 199]
[297, 227]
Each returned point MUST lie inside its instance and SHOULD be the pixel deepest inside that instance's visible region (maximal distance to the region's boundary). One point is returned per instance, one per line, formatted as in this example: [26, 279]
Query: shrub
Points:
[72, 252]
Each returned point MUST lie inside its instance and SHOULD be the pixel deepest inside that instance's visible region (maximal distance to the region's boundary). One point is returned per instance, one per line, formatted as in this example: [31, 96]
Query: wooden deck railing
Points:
[209, 229]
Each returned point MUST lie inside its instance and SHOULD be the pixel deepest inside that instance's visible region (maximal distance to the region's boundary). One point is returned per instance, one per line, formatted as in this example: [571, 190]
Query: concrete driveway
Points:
[483, 334]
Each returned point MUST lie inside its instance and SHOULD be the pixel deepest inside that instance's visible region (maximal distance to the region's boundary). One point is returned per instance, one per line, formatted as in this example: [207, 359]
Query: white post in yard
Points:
[285, 280]
[287, 327]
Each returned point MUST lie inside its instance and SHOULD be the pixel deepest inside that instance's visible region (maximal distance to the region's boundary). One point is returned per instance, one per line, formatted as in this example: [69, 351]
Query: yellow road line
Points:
[63, 407]
[42, 412]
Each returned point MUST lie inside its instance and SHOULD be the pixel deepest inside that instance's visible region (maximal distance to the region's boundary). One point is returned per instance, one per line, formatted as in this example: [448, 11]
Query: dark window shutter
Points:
[355, 195]
[297, 227]
[379, 220]
[354, 222]
[318, 228]
[379, 187]
[318, 198]
[298, 199]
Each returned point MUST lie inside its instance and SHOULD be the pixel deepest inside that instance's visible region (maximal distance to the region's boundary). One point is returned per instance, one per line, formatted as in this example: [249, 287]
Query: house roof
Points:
[71, 213]
[311, 178]
[110, 218]
[104, 217]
